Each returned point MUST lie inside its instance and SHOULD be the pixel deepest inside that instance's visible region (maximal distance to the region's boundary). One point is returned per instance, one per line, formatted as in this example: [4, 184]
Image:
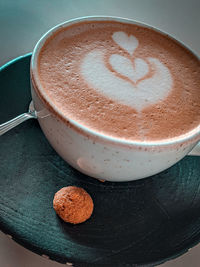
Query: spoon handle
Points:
[4, 127]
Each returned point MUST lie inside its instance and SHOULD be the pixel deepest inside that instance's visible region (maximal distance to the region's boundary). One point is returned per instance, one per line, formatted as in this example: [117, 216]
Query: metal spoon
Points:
[31, 114]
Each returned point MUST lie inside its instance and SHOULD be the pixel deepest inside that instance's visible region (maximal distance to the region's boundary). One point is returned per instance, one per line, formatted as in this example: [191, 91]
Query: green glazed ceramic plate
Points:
[139, 223]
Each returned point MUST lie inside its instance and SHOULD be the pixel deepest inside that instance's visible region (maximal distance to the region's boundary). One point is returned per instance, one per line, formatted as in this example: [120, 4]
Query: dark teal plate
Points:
[145, 222]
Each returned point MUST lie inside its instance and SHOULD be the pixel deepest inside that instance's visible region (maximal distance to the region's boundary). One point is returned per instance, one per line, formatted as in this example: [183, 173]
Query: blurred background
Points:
[23, 22]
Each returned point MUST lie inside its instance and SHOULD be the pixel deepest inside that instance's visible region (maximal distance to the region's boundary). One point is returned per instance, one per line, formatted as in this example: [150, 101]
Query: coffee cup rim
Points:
[188, 137]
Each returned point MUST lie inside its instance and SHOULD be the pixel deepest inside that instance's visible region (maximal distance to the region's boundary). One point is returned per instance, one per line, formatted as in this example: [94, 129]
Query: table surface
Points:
[23, 22]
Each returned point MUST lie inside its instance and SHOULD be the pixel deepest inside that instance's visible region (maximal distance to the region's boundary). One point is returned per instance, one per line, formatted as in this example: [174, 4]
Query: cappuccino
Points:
[122, 80]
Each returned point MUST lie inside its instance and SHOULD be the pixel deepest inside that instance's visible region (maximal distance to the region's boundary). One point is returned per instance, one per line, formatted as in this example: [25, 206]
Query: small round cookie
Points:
[73, 204]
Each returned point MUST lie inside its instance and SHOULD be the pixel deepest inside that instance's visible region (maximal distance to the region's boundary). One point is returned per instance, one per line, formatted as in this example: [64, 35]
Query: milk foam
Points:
[124, 66]
[128, 43]
[132, 87]
[122, 80]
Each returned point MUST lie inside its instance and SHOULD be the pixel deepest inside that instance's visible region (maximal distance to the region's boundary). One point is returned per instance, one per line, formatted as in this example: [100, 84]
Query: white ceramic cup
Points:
[98, 155]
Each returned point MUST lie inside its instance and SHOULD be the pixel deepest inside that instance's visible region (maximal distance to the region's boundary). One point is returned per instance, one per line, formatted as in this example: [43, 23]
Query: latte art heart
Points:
[146, 92]
[117, 85]
[128, 43]
[134, 71]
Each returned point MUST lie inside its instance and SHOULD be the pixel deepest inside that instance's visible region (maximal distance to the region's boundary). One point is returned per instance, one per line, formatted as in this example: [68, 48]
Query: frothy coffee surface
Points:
[122, 80]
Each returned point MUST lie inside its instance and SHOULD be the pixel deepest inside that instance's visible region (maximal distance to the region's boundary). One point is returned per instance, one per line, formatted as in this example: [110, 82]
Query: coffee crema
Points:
[121, 80]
